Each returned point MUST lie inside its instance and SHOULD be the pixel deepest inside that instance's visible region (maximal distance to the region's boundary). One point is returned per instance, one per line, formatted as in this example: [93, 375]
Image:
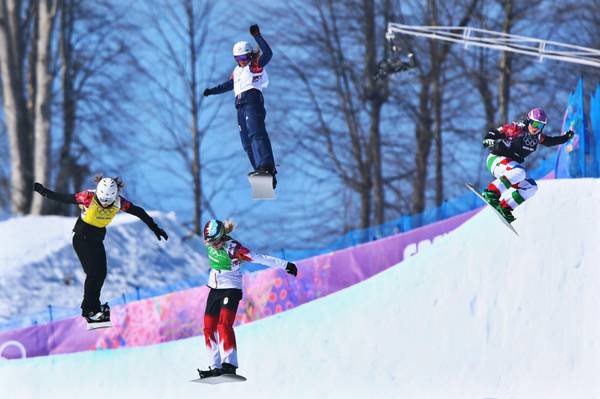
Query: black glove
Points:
[291, 269]
[207, 92]
[254, 31]
[160, 233]
[39, 187]
[570, 134]
[488, 143]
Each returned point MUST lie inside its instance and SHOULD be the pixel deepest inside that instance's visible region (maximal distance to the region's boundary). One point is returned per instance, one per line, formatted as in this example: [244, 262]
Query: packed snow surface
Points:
[482, 313]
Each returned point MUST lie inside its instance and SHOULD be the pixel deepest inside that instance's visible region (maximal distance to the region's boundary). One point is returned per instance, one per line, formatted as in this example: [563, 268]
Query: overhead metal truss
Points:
[502, 41]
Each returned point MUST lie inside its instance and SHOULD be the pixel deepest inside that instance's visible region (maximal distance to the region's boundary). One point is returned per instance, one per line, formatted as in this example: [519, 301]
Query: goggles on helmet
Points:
[537, 124]
[215, 240]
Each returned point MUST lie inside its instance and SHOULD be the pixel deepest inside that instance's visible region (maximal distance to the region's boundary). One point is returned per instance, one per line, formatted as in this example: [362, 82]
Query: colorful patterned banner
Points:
[180, 314]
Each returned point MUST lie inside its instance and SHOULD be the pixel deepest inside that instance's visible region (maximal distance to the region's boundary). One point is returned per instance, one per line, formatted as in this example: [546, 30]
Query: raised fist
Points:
[254, 31]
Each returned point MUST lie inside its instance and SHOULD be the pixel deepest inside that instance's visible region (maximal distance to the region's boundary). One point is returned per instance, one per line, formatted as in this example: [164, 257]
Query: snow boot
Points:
[97, 320]
[506, 213]
[105, 309]
[228, 368]
[491, 197]
[266, 172]
[210, 372]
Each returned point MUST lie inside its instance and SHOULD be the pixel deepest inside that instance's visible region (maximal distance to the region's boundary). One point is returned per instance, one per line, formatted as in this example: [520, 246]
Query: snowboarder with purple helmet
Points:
[509, 145]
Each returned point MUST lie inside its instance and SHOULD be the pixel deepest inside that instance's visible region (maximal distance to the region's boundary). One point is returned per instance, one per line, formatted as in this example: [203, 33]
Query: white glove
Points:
[489, 143]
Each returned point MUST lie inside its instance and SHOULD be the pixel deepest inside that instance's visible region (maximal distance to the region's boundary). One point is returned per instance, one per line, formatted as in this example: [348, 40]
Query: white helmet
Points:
[107, 191]
[241, 48]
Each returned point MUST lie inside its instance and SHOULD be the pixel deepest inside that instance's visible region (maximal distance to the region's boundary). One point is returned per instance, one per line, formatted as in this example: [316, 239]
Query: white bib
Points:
[244, 79]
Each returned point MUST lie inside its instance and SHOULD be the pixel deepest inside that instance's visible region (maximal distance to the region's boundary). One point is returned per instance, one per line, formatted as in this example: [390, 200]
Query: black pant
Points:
[92, 256]
[217, 299]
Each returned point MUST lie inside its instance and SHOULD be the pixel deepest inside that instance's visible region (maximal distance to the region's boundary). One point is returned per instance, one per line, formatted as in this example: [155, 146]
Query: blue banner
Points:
[595, 117]
[571, 160]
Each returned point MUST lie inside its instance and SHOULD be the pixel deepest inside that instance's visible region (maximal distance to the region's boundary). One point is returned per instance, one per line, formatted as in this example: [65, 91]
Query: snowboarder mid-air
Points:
[225, 281]
[509, 145]
[247, 81]
[98, 209]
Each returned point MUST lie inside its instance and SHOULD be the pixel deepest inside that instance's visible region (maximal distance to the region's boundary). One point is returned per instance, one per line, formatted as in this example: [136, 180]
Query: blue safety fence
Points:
[448, 209]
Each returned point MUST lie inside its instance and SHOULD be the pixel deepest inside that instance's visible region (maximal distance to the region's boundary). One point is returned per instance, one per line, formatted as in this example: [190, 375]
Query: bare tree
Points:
[12, 66]
[344, 101]
[4, 172]
[178, 73]
[43, 95]
[98, 77]
[505, 62]
[430, 96]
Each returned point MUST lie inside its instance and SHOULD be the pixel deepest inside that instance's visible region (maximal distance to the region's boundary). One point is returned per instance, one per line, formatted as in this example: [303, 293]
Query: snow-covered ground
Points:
[39, 267]
[481, 313]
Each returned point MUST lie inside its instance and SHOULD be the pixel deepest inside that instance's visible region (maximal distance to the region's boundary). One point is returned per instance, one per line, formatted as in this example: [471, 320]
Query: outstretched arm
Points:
[138, 211]
[242, 253]
[267, 53]
[550, 141]
[54, 196]
[272, 261]
[222, 88]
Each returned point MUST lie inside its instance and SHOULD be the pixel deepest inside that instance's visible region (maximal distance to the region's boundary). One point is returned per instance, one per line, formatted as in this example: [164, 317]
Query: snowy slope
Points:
[480, 314]
[38, 265]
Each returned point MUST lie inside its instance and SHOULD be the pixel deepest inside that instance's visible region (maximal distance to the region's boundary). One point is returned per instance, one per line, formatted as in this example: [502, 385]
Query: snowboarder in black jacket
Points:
[98, 209]
[509, 145]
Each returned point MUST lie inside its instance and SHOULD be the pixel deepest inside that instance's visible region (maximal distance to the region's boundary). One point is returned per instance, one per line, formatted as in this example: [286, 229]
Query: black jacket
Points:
[514, 141]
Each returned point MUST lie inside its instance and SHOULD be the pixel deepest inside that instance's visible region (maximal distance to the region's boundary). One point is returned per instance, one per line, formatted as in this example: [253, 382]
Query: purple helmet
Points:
[537, 114]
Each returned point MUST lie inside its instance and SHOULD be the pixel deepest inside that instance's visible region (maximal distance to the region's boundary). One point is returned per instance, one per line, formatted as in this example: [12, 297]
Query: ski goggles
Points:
[537, 124]
[242, 58]
[215, 240]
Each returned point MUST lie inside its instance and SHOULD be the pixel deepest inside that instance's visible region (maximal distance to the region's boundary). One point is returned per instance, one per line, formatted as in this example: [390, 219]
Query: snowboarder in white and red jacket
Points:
[225, 256]
[509, 145]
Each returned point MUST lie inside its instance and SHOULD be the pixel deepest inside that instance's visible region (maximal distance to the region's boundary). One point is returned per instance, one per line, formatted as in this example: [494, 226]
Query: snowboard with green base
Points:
[506, 223]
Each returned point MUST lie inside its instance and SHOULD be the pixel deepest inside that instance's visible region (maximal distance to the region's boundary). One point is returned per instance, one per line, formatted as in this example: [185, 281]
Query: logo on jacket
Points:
[529, 141]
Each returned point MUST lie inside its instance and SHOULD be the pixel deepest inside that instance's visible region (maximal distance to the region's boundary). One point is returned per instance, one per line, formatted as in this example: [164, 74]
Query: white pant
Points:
[512, 183]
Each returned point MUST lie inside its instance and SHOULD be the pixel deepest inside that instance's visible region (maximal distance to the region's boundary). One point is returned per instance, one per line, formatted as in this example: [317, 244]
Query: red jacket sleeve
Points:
[238, 251]
[84, 198]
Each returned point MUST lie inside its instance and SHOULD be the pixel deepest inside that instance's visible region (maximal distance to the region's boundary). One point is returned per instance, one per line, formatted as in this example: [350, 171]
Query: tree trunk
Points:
[65, 162]
[437, 105]
[196, 166]
[423, 138]
[15, 109]
[505, 65]
[374, 96]
[43, 98]
[437, 102]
